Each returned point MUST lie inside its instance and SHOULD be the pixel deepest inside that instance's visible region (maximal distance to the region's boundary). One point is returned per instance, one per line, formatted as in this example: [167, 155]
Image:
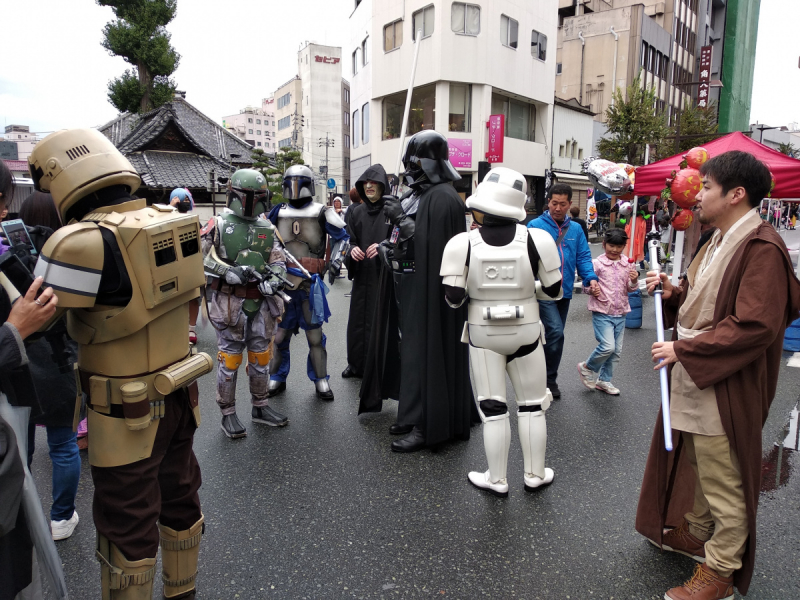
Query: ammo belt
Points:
[248, 291]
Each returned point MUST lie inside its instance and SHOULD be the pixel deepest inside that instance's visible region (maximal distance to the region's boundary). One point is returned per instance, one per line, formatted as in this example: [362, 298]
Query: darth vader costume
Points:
[434, 397]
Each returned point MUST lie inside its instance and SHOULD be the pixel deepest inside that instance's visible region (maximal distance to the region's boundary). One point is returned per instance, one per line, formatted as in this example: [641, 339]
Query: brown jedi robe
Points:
[759, 297]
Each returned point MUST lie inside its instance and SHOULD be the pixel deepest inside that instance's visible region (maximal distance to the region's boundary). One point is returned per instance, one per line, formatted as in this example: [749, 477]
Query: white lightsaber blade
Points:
[407, 110]
[656, 266]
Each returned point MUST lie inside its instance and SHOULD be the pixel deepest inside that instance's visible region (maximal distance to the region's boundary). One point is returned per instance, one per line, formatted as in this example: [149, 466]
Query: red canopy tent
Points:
[651, 179]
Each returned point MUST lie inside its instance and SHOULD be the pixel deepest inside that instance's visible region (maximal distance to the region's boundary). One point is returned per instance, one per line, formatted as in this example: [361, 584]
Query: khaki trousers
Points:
[719, 514]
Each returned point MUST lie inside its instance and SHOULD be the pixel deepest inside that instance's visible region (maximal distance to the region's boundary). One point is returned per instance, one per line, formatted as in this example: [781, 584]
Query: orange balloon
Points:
[685, 187]
[696, 157]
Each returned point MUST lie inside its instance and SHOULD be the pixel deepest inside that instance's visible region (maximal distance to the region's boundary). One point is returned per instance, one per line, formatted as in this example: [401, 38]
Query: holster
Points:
[313, 265]
[124, 413]
[248, 290]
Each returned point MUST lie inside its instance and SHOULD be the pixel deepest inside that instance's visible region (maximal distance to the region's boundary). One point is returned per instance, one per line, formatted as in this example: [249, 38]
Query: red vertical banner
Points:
[497, 128]
[704, 89]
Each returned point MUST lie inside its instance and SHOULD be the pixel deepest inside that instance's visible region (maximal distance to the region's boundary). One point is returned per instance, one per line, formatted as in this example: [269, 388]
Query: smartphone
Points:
[17, 234]
[18, 274]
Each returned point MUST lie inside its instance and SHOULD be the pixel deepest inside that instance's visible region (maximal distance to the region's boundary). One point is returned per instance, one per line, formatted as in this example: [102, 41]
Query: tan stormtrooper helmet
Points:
[501, 194]
[73, 163]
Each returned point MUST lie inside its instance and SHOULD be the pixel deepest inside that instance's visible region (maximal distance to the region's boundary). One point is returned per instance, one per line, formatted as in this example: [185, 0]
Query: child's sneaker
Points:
[607, 387]
[588, 377]
[61, 530]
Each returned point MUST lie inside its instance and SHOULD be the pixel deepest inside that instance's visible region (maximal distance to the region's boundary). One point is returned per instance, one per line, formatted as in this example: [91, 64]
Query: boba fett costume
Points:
[242, 256]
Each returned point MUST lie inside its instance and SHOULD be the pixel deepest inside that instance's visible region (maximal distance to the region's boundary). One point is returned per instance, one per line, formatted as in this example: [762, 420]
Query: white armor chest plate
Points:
[503, 311]
[301, 231]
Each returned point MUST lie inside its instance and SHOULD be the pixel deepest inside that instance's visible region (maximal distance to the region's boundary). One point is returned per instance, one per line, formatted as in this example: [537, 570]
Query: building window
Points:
[459, 107]
[509, 29]
[347, 119]
[365, 123]
[258, 143]
[422, 20]
[258, 121]
[561, 151]
[356, 125]
[558, 68]
[347, 96]
[580, 153]
[346, 140]
[538, 45]
[258, 132]
[249, 120]
[285, 142]
[520, 117]
[284, 101]
[365, 51]
[422, 115]
[355, 61]
[392, 36]
[284, 122]
[465, 18]
[249, 131]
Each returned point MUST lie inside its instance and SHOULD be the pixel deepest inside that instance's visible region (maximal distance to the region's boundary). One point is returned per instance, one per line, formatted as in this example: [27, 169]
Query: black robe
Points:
[435, 363]
[367, 225]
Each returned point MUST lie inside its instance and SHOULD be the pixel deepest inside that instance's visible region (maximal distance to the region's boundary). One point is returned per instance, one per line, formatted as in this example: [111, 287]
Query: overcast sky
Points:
[54, 73]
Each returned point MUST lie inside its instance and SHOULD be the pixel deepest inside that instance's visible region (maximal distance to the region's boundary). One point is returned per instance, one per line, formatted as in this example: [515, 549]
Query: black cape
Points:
[366, 225]
[435, 361]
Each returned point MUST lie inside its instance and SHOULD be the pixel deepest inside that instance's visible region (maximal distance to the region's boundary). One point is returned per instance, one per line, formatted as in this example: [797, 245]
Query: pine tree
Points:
[139, 36]
[697, 121]
[633, 123]
[285, 158]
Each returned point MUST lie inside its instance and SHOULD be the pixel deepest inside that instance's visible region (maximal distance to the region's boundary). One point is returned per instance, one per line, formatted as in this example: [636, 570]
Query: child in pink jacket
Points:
[609, 305]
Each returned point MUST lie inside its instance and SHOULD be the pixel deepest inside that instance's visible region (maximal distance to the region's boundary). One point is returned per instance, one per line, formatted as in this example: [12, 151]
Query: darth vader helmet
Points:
[427, 160]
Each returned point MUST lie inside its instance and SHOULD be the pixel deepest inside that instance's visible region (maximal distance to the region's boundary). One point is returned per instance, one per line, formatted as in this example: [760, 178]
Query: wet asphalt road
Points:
[323, 509]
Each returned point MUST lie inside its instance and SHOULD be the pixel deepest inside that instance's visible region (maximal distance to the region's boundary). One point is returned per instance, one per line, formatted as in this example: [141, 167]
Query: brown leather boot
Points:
[680, 540]
[705, 584]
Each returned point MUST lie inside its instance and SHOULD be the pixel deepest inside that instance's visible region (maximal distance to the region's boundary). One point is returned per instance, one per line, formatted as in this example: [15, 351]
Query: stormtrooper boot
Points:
[533, 437]
[496, 442]
[232, 426]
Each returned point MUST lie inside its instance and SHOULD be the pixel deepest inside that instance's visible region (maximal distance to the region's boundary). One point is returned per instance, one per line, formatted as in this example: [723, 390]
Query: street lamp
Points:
[762, 128]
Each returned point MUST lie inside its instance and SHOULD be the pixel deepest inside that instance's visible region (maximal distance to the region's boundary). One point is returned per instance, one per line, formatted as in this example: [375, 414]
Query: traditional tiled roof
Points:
[176, 145]
[175, 169]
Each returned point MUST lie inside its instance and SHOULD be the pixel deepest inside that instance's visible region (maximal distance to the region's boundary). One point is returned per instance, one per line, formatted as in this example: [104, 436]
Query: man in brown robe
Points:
[724, 360]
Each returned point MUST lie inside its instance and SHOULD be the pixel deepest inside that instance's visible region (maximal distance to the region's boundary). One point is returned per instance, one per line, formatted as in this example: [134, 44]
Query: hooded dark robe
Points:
[366, 225]
[740, 356]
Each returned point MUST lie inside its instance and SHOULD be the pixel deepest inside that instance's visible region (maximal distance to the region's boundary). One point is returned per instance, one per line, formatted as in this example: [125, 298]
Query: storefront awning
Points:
[572, 178]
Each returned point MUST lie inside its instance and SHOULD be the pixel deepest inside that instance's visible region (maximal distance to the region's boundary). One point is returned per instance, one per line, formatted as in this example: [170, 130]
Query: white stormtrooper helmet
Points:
[501, 194]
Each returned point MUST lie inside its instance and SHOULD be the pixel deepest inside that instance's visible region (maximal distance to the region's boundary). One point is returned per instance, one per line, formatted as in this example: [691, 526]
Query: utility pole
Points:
[297, 121]
[328, 143]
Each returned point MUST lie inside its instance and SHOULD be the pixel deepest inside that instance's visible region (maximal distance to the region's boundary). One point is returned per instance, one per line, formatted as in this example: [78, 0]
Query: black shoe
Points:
[411, 443]
[397, 429]
[233, 427]
[350, 372]
[553, 387]
[274, 391]
[324, 391]
[268, 416]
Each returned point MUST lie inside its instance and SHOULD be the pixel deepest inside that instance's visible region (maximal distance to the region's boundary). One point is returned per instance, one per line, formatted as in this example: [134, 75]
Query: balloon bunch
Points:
[612, 178]
[684, 185]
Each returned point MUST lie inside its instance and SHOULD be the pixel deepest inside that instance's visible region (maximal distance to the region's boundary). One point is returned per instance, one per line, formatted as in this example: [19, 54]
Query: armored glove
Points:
[333, 271]
[268, 288]
[237, 275]
[393, 210]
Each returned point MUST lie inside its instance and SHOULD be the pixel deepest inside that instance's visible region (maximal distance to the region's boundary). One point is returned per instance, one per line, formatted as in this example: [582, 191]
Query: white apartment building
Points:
[573, 131]
[476, 59]
[311, 112]
[255, 125]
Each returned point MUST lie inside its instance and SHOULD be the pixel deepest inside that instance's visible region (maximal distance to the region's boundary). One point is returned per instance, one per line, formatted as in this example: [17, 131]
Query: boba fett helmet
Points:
[248, 196]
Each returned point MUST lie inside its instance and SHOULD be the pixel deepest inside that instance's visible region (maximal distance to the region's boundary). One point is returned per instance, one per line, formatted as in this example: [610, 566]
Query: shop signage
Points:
[497, 128]
[460, 153]
[704, 89]
[327, 59]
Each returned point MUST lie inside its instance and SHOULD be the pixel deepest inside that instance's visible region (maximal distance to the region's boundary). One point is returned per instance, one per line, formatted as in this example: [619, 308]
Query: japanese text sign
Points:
[460, 153]
[497, 128]
[704, 89]
[326, 59]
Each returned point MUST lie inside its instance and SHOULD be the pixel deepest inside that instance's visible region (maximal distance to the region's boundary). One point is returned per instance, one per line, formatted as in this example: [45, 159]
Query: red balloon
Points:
[685, 187]
[696, 157]
[682, 220]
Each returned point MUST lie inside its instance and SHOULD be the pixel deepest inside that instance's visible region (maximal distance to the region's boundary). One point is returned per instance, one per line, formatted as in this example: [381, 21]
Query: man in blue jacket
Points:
[575, 253]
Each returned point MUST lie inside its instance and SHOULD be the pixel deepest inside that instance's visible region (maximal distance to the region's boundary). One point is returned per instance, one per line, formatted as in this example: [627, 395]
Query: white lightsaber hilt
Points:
[657, 293]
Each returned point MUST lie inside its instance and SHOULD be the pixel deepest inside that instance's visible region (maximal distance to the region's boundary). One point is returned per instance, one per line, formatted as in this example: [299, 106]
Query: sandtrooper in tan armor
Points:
[495, 269]
[126, 273]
